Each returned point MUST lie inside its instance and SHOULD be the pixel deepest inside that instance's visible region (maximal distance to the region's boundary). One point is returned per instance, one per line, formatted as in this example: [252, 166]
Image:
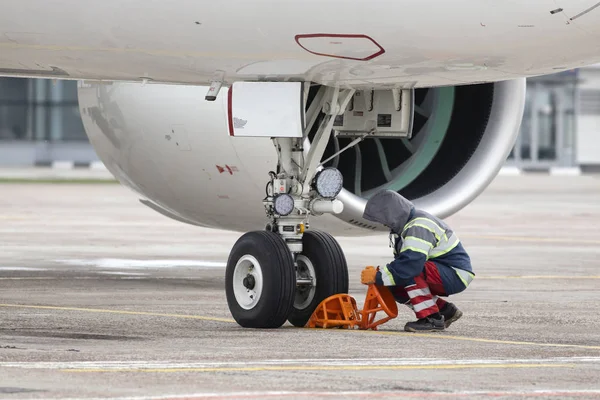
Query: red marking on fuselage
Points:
[340, 35]
[227, 168]
[230, 110]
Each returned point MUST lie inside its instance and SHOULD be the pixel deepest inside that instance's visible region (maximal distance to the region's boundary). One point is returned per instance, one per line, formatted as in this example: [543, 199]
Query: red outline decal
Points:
[229, 110]
[337, 35]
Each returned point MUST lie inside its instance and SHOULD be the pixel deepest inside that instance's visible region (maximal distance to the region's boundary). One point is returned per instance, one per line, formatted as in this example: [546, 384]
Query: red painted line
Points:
[230, 110]
[391, 394]
[338, 35]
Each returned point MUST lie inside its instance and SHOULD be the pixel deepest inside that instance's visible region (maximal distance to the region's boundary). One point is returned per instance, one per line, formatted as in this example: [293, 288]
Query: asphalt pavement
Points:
[101, 297]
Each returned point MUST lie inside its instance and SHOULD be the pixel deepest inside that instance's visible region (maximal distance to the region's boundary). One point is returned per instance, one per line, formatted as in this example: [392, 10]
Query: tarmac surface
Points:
[101, 297]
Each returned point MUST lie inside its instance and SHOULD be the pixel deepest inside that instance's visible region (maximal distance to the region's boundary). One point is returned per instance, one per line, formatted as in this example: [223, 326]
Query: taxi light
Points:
[284, 204]
[329, 182]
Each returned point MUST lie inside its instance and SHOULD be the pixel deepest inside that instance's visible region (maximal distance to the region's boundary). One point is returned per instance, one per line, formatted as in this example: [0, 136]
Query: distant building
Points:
[40, 122]
[561, 124]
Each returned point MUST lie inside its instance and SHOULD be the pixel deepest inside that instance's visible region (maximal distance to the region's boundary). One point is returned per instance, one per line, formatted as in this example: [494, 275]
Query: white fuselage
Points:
[376, 43]
[172, 147]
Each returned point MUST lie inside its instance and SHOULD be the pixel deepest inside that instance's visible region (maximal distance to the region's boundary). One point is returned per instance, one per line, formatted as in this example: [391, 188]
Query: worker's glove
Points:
[367, 276]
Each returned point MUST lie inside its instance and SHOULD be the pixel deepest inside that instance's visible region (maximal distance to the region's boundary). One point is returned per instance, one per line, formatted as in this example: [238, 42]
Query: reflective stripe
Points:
[445, 247]
[422, 306]
[415, 249]
[418, 292]
[411, 242]
[386, 277]
[427, 224]
[465, 276]
[435, 233]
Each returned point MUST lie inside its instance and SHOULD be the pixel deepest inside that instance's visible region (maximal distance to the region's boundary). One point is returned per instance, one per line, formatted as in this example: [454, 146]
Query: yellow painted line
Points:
[537, 277]
[323, 368]
[101, 310]
[406, 334]
[532, 239]
[480, 340]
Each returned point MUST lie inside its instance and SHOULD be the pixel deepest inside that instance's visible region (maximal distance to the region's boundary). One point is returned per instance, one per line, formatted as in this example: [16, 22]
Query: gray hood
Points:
[390, 209]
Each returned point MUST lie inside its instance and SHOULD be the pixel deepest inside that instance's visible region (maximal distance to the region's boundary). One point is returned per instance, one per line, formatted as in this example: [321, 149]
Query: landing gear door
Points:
[266, 109]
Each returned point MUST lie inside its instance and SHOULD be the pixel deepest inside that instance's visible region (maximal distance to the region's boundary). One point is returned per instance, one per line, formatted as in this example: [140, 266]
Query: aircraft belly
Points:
[403, 43]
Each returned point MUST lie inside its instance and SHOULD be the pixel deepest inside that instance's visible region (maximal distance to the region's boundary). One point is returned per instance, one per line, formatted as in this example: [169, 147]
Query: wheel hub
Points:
[247, 282]
[305, 293]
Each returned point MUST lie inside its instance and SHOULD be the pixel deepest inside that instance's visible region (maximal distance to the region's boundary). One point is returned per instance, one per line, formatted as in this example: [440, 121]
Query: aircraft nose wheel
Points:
[322, 258]
[260, 281]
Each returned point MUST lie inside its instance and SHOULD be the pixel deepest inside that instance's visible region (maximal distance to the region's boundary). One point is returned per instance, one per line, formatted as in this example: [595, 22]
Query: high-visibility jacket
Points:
[417, 237]
[426, 238]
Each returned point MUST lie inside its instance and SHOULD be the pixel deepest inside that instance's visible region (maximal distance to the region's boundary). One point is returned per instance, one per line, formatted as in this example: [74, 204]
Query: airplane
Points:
[276, 117]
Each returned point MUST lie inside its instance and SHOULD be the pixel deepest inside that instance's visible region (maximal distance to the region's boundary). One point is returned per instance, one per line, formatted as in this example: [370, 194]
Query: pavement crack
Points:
[71, 335]
[15, 390]
[412, 389]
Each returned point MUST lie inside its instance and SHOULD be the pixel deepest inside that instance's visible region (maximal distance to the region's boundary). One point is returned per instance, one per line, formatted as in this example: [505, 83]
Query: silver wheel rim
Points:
[247, 266]
[305, 293]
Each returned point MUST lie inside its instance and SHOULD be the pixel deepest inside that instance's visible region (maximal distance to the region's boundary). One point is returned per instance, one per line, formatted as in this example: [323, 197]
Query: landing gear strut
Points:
[284, 272]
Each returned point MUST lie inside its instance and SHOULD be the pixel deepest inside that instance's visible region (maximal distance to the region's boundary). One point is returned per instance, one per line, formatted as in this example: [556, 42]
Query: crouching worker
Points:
[430, 261]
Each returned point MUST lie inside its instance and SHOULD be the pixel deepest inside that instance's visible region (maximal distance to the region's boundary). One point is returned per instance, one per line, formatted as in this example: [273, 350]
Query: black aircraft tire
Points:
[330, 268]
[275, 273]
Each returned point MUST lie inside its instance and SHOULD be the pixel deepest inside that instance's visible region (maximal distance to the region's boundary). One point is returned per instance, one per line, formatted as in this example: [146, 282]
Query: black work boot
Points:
[451, 313]
[427, 324]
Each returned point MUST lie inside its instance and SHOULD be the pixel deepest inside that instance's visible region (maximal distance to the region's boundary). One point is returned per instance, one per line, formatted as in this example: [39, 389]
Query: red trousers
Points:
[422, 297]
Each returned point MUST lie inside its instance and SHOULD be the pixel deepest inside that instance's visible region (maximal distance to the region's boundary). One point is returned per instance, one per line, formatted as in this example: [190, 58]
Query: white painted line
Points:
[365, 362]
[21, 269]
[342, 394]
[118, 263]
[123, 273]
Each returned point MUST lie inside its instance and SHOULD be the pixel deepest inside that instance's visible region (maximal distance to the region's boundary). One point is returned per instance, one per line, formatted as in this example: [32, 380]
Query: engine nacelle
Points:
[173, 148]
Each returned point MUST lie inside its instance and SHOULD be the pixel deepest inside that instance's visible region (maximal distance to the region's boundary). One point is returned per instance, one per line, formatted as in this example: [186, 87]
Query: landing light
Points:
[329, 182]
[284, 204]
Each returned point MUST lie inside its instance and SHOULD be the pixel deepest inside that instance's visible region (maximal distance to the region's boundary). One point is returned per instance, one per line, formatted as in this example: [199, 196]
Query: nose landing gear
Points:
[284, 272]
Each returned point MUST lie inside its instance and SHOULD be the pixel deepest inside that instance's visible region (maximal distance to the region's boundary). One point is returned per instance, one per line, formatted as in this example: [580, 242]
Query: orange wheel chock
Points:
[379, 298]
[340, 310]
[337, 311]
